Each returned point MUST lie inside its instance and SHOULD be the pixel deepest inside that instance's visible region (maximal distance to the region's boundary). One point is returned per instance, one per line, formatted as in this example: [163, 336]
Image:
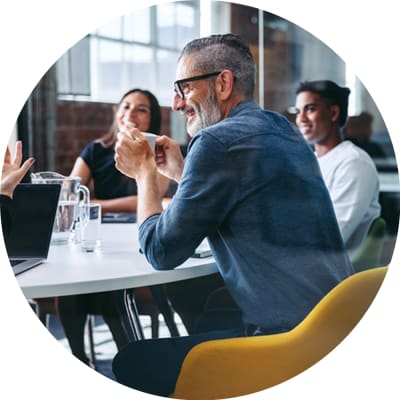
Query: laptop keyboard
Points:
[16, 262]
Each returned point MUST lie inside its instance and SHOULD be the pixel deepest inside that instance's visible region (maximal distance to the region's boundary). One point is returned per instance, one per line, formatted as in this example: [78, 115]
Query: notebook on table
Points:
[203, 250]
[28, 241]
[120, 217]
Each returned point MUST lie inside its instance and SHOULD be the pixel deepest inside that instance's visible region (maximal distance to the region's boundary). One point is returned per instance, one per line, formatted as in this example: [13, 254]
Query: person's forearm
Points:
[149, 202]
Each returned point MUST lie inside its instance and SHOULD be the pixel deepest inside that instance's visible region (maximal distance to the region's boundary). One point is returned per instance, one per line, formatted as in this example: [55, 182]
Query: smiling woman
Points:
[114, 192]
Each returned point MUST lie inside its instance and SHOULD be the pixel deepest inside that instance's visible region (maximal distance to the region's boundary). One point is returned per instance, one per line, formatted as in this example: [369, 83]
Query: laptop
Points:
[28, 242]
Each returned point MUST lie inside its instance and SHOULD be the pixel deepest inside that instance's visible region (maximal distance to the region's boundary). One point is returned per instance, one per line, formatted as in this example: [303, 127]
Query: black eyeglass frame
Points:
[178, 89]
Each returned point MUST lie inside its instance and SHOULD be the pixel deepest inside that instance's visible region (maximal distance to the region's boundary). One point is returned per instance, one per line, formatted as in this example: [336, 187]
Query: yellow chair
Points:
[226, 368]
[370, 251]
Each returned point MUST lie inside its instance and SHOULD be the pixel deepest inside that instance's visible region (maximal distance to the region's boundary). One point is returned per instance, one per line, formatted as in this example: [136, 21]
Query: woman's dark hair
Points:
[330, 91]
[109, 139]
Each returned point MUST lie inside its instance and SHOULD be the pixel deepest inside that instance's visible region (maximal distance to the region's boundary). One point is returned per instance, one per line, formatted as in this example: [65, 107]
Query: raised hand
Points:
[13, 171]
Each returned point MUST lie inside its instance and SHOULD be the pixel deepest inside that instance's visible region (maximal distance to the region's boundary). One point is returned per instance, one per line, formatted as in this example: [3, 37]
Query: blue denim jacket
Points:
[252, 185]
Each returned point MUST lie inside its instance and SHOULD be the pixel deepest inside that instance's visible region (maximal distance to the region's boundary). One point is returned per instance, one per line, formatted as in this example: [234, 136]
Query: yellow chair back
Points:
[227, 368]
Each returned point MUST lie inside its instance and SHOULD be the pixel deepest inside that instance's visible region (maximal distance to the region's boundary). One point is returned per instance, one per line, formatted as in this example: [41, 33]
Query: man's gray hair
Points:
[228, 51]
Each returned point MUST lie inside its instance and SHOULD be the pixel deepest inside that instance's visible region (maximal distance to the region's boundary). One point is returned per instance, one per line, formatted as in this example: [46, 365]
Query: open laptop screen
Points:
[35, 208]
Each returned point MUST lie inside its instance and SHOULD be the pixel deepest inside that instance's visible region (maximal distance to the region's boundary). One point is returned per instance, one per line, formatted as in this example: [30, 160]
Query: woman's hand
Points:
[13, 172]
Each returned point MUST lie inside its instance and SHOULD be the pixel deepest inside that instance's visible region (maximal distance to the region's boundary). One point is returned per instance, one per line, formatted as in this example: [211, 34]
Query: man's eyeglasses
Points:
[182, 89]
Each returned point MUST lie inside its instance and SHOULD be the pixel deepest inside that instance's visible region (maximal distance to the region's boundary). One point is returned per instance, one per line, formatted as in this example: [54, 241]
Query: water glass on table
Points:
[89, 221]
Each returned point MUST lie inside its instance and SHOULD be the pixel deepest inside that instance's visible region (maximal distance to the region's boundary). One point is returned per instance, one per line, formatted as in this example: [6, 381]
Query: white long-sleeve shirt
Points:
[352, 180]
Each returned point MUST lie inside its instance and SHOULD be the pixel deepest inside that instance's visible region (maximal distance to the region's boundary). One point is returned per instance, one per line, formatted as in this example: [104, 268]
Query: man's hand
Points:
[135, 158]
[169, 158]
[13, 172]
[133, 154]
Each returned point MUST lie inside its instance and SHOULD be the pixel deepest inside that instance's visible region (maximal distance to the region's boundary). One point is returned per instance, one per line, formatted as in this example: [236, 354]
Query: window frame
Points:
[155, 84]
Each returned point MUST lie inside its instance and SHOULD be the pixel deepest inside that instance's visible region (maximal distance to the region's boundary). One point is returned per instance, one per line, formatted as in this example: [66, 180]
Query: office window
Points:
[136, 50]
[117, 68]
[111, 30]
[73, 70]
[166, 62]
[175, 24]
[106, 69]
[137, 26]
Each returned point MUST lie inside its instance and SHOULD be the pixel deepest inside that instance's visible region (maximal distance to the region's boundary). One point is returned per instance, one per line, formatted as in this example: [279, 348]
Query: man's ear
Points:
[224, 84]
[335, 113]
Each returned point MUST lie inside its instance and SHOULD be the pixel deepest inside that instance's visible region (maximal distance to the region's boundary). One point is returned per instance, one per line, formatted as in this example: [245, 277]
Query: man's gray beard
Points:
[207, 115]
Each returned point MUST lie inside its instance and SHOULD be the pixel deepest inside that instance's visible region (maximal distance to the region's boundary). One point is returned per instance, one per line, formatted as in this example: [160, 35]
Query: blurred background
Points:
[73, 102]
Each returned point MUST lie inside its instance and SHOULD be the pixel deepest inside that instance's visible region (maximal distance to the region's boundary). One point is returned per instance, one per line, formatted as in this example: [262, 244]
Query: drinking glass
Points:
[89, 223]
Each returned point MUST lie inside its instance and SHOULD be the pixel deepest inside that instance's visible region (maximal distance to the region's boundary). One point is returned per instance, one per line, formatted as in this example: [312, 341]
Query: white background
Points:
[34, 34]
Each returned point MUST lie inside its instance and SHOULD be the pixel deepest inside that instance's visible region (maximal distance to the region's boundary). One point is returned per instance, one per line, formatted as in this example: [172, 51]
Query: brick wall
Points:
[78, 123]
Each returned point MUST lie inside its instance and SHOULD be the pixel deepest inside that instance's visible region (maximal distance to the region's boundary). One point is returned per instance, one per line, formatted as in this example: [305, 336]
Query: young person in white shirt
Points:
[348, 171]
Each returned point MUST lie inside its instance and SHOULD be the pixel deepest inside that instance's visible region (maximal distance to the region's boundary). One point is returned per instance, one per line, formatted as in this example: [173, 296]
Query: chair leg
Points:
[43, 317]
[165, 308]
[155, 324]
[132, 315]
[92, 352]
[42, 314]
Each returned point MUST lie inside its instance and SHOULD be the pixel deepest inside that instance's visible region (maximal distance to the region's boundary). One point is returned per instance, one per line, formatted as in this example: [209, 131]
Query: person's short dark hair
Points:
[224, 51]
[330, 91]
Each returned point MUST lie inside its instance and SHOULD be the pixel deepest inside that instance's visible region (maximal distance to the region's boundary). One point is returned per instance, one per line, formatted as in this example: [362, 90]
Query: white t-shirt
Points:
[353, 184]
